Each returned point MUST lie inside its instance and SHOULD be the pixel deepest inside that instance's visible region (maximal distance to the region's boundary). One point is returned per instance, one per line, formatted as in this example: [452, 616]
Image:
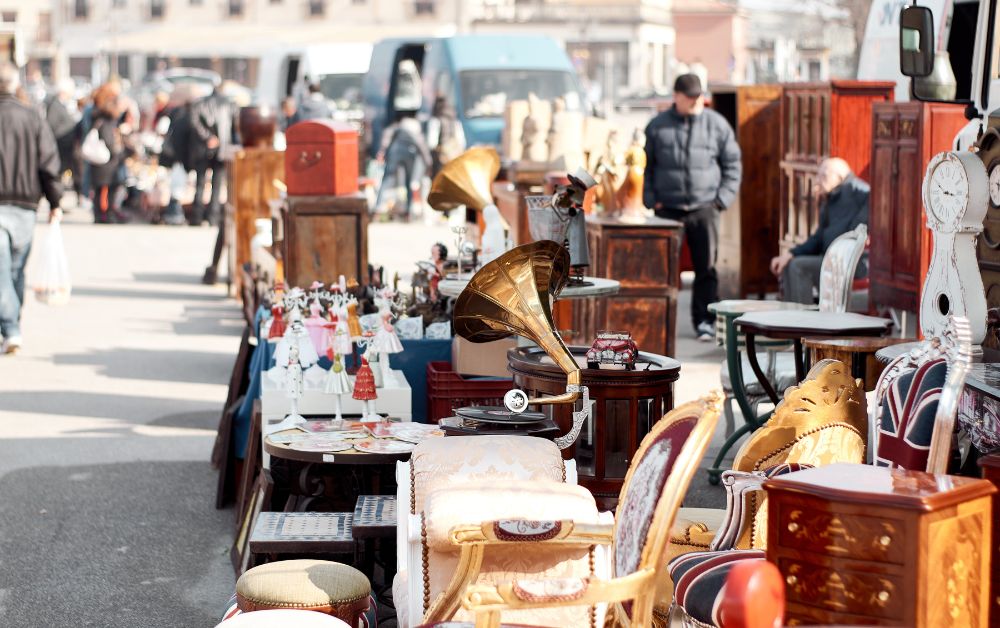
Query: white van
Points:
[954, 29]
[338, 68]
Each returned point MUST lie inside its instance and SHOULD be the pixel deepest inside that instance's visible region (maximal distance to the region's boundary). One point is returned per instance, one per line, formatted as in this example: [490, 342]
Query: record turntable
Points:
[479, 420]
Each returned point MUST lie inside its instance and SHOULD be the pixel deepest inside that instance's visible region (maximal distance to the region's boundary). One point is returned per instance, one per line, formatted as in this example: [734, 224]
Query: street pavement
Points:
[107, 420]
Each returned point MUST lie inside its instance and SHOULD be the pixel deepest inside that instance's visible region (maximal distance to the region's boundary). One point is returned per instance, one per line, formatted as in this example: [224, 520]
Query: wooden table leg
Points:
[800, 370]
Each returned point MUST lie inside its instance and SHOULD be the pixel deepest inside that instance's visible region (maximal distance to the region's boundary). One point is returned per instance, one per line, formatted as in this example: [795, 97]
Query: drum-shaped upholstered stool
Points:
[313, 585]
[283, 618]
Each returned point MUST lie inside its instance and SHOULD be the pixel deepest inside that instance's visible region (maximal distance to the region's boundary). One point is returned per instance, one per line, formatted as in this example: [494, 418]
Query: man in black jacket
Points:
[693, 172]
[29, 168]
[844, 208]
[211, 134]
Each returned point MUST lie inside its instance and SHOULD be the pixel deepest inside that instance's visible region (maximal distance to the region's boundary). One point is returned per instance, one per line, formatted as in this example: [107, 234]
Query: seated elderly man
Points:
[844, 207]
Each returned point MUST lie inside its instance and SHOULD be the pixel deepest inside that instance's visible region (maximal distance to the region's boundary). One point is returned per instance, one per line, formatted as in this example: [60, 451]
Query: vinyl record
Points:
[496, 414]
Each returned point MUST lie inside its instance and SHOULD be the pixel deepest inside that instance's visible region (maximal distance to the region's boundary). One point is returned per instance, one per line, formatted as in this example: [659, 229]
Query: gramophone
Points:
[466, 181]
[561, 218]
[512, 296]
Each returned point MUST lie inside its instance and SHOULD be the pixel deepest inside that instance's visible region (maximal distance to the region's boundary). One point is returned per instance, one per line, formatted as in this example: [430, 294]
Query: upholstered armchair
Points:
[499, 460]
[916, 401]
[655, 484]
[822, 421]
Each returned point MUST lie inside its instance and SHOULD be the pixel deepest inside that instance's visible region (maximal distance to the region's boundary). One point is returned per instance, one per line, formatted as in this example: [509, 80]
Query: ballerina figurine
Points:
[386, 341]
[277, 323]
[337, 383]
[364, 390]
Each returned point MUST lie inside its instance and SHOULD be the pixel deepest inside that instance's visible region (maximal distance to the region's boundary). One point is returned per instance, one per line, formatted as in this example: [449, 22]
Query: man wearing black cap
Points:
[692, 173]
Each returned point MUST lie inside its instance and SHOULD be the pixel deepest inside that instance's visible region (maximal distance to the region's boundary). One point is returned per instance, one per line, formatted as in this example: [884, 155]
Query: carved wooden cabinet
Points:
[325, 237]
[645, 258]
[866, 545]
[821, 120]
[748, 230]
[906, 136]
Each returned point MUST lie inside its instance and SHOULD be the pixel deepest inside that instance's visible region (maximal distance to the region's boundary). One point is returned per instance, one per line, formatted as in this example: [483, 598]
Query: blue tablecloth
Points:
[412, 361]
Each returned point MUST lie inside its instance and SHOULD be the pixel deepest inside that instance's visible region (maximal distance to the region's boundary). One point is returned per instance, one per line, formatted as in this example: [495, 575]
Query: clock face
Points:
[948, 195]
[995, 184]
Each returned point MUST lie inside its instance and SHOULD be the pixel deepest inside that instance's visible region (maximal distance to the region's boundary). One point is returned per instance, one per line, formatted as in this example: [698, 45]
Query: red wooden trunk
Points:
[321, 159]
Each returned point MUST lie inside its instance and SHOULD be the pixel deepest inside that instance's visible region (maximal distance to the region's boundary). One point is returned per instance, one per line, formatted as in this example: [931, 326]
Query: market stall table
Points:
[794, 325]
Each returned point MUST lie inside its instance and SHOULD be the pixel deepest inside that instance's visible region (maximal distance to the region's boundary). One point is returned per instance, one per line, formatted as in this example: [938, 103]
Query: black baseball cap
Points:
[689, 85]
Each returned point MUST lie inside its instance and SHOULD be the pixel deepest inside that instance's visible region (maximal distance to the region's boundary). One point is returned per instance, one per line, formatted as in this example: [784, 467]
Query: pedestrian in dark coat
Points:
[693, 172]
[105, 178]
[211, 135]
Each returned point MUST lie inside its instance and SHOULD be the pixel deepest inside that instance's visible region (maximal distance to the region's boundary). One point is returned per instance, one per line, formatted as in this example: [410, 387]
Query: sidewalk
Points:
[108, 418]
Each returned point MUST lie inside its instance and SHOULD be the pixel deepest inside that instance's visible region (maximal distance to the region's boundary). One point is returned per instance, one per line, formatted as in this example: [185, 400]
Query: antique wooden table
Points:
[858, 352]
[865, 545]
[726, 312]
[626, 405]
[794, 325]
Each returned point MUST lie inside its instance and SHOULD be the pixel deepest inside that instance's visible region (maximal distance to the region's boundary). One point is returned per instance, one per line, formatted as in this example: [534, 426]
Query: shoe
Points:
[210, 277]
[11, 345]
[705, 331]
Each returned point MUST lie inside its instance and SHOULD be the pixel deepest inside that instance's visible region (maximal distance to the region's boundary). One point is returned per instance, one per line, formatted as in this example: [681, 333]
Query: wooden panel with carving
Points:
[959, 566]
[646, 260]
[837, 588]
[325, 236]
[842, 533]
[907, 136]
[820, 120]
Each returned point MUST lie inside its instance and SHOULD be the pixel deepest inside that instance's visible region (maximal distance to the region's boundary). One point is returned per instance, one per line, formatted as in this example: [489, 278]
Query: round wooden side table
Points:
[857, 352]
[626, 405]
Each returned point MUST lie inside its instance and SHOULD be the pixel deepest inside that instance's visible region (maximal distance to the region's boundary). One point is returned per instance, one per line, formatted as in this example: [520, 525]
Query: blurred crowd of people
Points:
[126, 163]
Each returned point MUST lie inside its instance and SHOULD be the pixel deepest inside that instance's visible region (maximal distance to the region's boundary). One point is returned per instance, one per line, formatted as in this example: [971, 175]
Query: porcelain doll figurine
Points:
[337, 384]
[289, 375]
[353, 321]
[364, 390]
[386, 342]
[277, 323]
[316, 325]
[341, 336]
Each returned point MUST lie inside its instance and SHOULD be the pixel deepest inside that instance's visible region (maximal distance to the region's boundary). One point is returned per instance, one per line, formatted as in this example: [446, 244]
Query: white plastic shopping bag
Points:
[53, 285]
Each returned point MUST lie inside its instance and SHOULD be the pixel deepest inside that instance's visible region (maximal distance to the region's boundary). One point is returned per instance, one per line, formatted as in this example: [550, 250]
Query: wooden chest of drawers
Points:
[864, 545]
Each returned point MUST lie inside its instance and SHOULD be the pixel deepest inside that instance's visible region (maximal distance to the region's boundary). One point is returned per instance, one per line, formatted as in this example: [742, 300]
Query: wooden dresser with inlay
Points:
[865, 545]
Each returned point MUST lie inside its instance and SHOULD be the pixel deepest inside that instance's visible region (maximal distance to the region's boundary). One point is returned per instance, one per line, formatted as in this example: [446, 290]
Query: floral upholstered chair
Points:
[655, 484]
[442, 462]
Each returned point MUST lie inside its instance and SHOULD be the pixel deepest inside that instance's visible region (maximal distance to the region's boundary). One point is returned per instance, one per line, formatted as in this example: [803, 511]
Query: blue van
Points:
[479, 74]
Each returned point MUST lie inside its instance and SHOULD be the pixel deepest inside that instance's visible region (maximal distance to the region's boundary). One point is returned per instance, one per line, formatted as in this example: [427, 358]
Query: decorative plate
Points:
[322, 445]
[384, 447]
[415, 435]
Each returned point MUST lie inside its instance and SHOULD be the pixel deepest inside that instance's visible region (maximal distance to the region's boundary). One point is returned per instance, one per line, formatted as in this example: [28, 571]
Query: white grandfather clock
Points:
[955, 192]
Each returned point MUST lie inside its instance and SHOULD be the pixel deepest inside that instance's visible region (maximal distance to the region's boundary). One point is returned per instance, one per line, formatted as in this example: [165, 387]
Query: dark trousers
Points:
[701, 229]
[214, 209]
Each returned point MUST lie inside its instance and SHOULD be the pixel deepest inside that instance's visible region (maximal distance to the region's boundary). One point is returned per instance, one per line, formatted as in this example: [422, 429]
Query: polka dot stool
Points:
[312, 585]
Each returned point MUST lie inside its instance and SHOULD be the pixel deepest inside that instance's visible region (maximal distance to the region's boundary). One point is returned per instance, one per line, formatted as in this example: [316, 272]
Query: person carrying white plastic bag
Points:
[53, 286]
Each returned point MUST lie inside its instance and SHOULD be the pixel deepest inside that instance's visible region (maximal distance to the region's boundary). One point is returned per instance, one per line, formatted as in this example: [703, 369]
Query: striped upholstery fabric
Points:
[699, 579]
[368, 620]
[907, 417]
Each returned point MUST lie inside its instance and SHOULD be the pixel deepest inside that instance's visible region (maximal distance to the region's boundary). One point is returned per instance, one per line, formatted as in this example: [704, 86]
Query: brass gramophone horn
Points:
[511, 295]
[466, 180]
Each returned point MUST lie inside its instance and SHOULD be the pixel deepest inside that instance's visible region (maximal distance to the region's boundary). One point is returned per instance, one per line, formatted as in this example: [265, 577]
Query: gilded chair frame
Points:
[641, 587]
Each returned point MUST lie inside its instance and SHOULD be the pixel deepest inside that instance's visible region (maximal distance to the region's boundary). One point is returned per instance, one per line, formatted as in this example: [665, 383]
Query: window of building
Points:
[44, 27]
[275, 1]
[81, 9]
[424, 7]
[196, 3]
[235, 8]
[117, 4]
[358, 1]
[9, 16]
[317, 8]
[156, 9]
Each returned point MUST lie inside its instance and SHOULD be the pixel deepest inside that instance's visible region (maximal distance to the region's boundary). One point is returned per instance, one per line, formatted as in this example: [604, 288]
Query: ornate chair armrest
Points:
[738, 484]
[565, 532]
[528, 594]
